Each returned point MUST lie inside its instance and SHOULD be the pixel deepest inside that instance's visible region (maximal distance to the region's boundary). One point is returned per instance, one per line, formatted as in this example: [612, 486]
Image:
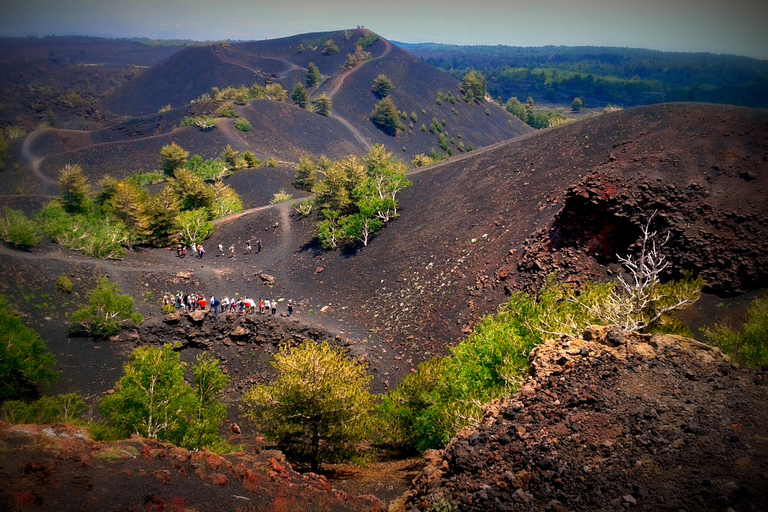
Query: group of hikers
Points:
[242, 305]
[199, 251]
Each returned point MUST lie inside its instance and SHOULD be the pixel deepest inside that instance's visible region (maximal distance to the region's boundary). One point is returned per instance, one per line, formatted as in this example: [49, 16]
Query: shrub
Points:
[194, 226]
[276, 92]
[300, 96]
[750, 345]
[16, 229]
[367, 40]
[203, 122]
[142, 179]
[473, 86]
[64, 284]
[330, 48]
[167, 309]
[226, 201]
[421, 160]
[26, 365]
[214, 169]
[226, 110]
[94, 233]
[15, 132]
[281, 197]
[271, 162]
[164, 109]
[250, 159]
[105, 312]
[313, 75]
[75, 189]
[576, 104]
[304, 207]
[243, 125]
[318, 407]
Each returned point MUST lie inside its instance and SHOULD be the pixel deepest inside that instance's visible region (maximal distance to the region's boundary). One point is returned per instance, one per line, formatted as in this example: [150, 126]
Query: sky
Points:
[737, 27]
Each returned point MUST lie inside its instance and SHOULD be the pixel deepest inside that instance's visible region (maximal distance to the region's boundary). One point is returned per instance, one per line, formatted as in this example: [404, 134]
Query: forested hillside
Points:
[603, 75]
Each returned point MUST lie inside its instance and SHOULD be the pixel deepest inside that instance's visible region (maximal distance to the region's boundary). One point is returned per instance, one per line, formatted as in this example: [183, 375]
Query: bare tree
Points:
[639, 299]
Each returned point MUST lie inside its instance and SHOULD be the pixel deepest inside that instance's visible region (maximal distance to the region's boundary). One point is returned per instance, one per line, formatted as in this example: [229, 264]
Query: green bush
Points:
[243, 125]
[330, 48]
[281, 197]
[16, 229]
[386, 116]
[213, 169]
[226, 201]
[323, 105]
[203, 122]
[94, 234]
[106, 311]
[382, 86]
[64, 284]
[167, 309]
[26, 365]
[226, 110]
[749, 346]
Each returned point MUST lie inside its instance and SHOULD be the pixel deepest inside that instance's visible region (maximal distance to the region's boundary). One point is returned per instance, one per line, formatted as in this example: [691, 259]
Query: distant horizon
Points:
[687, 26]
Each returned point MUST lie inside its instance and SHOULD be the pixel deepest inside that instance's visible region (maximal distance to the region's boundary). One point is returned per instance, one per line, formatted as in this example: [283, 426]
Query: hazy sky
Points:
[736, 26]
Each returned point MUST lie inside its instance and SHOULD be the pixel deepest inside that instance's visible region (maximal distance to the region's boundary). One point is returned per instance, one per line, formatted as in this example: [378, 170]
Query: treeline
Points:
[604, 75]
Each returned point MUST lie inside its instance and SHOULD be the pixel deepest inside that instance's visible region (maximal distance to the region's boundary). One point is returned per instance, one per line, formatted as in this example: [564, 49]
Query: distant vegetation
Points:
[600, 76]
[354, 197]
[17, 230]
[386, 117]
[313, 75]
[330, 48]
[382, 86]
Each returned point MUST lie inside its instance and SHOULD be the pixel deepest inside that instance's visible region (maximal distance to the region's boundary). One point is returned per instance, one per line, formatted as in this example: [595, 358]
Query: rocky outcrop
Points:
[612, 421]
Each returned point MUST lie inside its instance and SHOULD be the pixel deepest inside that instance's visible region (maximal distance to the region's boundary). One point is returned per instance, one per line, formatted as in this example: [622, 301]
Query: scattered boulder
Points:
[267, 279]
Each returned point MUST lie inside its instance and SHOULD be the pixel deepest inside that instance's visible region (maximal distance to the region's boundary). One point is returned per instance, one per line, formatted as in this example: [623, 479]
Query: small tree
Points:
[473, 86]
[323, 105]
[313, 75]
[151, 398]
[300, 96]
[382, 86]
[387, 117]
[576, 104]
[172, 157]
[330, 48]
[26, 365]
[320, 405]
[306, 173]
[75, 189]
[194, 226]
[105, 312]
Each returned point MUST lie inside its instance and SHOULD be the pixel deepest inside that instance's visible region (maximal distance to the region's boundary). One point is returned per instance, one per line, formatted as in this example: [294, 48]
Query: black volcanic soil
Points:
[668, 425]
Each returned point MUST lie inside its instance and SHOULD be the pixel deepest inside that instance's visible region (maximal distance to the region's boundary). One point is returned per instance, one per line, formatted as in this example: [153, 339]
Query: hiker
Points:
[267, 305]
[261, 305]
[221, 249]
[232, 251]
[274, 307]
[183, 251]
[215, 303]
[248, 247]
[202, 302]
[258, 245]
[193, 246]
[290, 308]
[200, 250]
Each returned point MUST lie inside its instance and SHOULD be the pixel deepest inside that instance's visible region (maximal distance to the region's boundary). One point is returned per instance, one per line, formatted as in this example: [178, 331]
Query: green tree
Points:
[191, 190]
[107, 309]
[313, 75]
[300, 96]
[151, 398]
[172, 157]
[26, 365]
[162, 211]
[226, 200]
[323, 105]
[202, 430]
[130, 204]
[387, 117]
[319, 406]
[382, 86]
[330, 48]
[576, 104]
[45, 410]
[75, 189]
[473, 86]
[194, 226]
[305, 173]
[517, 109]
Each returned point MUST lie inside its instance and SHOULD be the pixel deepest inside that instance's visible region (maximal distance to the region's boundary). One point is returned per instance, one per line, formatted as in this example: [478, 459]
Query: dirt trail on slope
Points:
[337, 81]
[47, 185]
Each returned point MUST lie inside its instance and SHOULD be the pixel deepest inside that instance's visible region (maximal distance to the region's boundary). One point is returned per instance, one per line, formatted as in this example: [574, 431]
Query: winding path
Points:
[47, 185]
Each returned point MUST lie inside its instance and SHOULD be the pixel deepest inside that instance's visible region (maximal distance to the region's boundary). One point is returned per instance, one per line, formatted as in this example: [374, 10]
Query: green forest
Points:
[603, 76]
